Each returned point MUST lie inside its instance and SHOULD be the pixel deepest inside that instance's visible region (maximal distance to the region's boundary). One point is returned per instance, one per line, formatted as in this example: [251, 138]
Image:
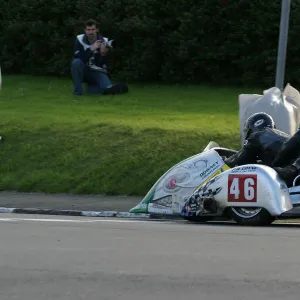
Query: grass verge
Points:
[55, 142]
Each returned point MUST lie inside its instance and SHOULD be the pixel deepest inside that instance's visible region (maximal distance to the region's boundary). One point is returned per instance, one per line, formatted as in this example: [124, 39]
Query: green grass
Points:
[57, 142]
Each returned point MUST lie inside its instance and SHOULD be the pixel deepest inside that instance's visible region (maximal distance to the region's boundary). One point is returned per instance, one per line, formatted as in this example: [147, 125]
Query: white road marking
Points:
[71, 221]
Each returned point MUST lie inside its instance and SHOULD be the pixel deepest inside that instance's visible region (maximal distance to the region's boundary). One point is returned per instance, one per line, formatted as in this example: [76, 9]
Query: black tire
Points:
[262, 218]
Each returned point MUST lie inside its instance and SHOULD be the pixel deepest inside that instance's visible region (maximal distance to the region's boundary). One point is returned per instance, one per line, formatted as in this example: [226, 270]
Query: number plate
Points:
[242, 188]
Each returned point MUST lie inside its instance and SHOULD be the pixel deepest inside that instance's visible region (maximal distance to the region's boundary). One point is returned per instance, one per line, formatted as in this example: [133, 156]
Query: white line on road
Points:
[71, 221]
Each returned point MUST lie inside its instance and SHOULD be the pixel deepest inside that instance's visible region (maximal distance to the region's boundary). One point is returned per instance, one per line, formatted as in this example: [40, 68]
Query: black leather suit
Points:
[262, 145]
[273, 148]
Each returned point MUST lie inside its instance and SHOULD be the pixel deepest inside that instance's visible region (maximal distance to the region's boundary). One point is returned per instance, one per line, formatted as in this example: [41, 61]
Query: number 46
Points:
[242, 188]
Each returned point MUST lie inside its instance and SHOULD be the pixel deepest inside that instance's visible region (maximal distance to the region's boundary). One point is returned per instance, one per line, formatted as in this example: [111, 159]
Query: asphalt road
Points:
[47, 258]
[68, 202]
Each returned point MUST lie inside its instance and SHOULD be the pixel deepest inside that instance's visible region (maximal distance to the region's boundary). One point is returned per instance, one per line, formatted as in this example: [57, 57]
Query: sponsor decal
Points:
[198, 164]
[201, 164]
[156, 210]
[212, 168]
[243, 169]
[258, 123]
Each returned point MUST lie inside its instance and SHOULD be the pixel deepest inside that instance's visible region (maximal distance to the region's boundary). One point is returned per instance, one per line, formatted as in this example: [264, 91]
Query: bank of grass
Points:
[55, 142]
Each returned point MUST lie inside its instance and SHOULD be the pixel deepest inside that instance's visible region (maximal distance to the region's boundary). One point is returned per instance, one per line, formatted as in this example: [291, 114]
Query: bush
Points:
[217, 41]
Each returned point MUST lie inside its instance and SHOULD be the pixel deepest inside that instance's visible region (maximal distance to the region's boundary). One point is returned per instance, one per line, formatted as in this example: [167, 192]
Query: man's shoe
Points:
[118, 88]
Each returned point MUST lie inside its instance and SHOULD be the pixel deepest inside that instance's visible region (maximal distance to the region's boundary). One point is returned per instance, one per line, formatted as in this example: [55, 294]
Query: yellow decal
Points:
[221, 170]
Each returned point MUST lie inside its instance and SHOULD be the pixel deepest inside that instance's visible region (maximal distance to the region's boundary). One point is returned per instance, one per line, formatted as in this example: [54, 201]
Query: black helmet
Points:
[257, 122]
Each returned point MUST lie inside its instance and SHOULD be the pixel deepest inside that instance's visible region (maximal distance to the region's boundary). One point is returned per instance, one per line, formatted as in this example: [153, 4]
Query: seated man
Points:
[289, 151]
[90, 63]
[264, 142]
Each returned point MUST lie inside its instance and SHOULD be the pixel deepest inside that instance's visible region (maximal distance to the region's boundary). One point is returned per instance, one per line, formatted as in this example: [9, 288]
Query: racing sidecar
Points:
[202, 187]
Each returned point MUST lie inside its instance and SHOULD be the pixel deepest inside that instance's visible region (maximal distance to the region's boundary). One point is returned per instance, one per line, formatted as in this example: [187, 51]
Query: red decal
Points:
[172, 183]
[242, 188]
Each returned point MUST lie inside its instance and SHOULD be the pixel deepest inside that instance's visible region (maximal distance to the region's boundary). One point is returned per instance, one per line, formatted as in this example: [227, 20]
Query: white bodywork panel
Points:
[250, 186]
[284, 107]
[169, 193]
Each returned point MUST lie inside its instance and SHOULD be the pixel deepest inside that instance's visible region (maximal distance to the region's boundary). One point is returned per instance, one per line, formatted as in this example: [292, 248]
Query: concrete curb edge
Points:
[79, 213]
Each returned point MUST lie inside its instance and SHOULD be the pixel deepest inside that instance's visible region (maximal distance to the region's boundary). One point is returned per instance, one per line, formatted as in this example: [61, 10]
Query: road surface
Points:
[43, 257]
[68, 202]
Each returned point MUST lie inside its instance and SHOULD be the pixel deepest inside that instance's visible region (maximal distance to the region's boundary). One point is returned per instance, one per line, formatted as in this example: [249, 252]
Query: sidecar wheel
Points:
[250, 216]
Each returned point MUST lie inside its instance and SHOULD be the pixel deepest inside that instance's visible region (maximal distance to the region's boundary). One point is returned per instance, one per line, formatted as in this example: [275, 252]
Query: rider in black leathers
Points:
[274, 148]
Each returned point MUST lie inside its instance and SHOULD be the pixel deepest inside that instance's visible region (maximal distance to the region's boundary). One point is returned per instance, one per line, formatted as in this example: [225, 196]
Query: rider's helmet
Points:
[257, 122]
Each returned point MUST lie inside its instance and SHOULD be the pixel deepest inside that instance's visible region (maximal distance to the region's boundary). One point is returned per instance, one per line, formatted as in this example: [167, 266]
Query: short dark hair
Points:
[91, 22]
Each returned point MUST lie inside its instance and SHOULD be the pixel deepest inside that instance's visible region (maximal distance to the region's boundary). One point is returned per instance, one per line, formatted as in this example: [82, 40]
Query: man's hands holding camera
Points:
[99, 45]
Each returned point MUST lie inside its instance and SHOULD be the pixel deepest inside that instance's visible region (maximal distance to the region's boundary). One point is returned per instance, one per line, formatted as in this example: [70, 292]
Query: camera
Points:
[109, 43]
[91, 62]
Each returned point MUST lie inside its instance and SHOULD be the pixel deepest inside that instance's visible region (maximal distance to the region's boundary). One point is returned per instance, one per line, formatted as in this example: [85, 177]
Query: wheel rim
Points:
[246, 212]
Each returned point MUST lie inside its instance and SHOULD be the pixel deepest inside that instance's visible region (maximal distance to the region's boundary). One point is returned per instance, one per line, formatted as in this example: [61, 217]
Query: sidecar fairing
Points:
[168, 195]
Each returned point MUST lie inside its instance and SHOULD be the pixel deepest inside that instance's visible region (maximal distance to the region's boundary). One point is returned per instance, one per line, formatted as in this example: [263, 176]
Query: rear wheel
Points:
[252, 216]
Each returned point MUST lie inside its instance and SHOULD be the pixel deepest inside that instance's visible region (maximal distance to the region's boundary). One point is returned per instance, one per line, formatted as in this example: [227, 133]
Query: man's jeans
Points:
[97, 81]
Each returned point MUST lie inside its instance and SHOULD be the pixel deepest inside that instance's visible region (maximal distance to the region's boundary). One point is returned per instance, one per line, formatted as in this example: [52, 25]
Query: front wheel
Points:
[250, 216]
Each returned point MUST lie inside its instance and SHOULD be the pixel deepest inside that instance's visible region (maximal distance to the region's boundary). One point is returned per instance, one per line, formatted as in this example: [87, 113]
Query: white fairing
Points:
[251, 186]
[284, 107]
[170, 192]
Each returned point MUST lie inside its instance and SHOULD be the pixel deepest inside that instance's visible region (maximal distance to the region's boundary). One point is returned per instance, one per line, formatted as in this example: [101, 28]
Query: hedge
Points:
[213, 41]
